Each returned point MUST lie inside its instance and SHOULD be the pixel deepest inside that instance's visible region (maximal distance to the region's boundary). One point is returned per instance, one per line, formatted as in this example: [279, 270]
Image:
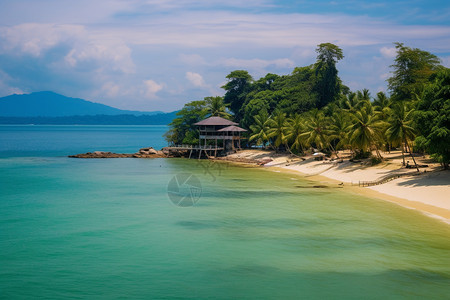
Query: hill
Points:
[50, 104]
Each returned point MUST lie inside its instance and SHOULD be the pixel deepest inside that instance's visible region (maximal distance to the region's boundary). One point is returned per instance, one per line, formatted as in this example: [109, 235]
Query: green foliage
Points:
[260, 129]
[312, 108]
[182, 129]
[433, 117]
[278, 125]
[366, 128]
[237, 87]
[412, 70]
[339, 129]
[216, 107]
[328, 84]
[294, 129]
[316, 132]
[400, 128]
[375, 160]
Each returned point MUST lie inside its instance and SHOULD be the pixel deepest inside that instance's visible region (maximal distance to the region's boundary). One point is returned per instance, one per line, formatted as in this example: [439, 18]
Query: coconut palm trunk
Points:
[412, 156]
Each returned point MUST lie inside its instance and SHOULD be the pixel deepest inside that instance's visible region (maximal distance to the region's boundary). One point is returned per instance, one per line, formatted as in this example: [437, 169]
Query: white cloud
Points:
[192, 59]
[114, 46]
[446, 61]
[196, 79]
[257, 63]
[151, 88]
[111, 89]
[33, 39]
[112, 55]
[388, 52]
[5, 86]
[102, 53]
[385, 76]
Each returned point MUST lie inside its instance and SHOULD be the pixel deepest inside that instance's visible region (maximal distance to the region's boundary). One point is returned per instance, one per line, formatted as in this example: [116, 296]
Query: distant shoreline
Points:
[158, 119]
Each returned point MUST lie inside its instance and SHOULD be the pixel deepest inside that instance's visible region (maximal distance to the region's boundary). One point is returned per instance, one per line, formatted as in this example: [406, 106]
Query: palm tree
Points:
[351, 101]
[260, 129]
[382, 106]
[293, 132]
[278, 126]
[316, 132]
[366, 129]
[216, 107]
[338, 129]
[363, 95]
[381, 102]
[400, 128]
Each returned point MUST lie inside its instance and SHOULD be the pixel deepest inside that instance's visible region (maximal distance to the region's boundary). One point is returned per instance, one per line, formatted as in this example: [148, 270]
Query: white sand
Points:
[429, 193]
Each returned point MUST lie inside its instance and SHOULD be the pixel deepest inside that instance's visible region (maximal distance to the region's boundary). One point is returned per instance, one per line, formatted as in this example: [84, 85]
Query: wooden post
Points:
[239, 140]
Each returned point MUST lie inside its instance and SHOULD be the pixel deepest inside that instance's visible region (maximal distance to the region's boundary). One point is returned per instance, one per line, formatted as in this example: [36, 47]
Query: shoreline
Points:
[426, 193]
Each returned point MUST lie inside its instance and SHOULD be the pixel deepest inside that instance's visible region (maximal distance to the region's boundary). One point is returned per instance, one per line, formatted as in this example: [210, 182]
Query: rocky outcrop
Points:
[101, 154]
[142, 153]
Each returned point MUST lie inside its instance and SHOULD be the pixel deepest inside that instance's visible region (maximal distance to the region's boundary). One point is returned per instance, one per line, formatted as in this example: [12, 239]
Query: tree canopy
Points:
[412, 70]
[310, 108]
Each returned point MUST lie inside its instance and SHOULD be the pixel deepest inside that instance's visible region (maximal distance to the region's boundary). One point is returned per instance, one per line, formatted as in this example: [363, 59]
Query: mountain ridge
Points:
[51, 104]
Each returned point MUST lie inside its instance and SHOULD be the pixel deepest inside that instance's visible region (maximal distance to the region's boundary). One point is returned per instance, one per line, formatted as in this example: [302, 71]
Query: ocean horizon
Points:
[117, 228]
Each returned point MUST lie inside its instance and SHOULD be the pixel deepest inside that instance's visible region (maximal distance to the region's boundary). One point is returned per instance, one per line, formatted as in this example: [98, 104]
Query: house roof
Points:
[232, 128]
[216, 121]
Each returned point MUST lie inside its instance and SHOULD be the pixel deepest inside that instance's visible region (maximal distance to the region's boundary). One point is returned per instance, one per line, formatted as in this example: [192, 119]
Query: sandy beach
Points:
[427, 191]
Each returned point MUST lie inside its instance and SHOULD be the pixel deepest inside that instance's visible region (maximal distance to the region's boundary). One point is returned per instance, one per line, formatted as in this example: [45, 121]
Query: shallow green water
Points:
[73, 228]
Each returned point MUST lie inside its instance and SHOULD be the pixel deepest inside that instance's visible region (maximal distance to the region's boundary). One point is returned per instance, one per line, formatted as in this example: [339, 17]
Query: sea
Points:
[174, 228]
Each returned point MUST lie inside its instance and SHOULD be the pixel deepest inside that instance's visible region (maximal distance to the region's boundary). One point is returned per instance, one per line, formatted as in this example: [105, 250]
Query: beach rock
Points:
[147, 151]
[143, 153]
[101, 154]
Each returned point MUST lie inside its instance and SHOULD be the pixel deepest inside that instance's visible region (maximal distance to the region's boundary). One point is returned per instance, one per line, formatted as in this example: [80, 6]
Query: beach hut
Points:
[220, 130]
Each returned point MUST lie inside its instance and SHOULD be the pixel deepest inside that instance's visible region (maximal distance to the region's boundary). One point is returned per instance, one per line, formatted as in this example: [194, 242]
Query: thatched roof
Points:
[232, 128]
[216, 121]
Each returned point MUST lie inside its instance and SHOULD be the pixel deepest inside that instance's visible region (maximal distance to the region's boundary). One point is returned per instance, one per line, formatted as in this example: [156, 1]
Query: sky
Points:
[160, 54]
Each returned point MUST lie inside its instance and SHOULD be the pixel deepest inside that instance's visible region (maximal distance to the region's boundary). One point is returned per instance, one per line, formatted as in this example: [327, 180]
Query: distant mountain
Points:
[159, 119]
[50, 104]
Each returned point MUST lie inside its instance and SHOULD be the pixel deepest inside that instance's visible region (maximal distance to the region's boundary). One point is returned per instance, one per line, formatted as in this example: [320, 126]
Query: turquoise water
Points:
[63, 140]
[74, 228]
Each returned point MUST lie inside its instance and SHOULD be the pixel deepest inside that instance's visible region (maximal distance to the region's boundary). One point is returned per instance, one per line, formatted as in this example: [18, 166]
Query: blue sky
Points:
[160, 54]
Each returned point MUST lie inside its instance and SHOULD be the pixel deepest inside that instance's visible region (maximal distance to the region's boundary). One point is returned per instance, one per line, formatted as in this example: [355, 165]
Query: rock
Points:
[143, 153]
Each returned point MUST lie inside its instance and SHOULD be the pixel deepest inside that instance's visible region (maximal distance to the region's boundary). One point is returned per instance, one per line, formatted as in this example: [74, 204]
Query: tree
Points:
[260, 129]
[433, 117]
[216, 107]
[412, 70]
[182, 129]
[366, 129]
[381, 102]
[328, 84]
[278, 127]
[338, 130]
[400, 128]
[259, 103]
[237, 87]
[351, 102]
[294, 129]
[364, 95]
[316, 131]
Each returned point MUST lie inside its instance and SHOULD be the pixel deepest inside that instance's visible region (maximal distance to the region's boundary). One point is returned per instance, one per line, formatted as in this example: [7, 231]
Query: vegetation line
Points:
[312, 110]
